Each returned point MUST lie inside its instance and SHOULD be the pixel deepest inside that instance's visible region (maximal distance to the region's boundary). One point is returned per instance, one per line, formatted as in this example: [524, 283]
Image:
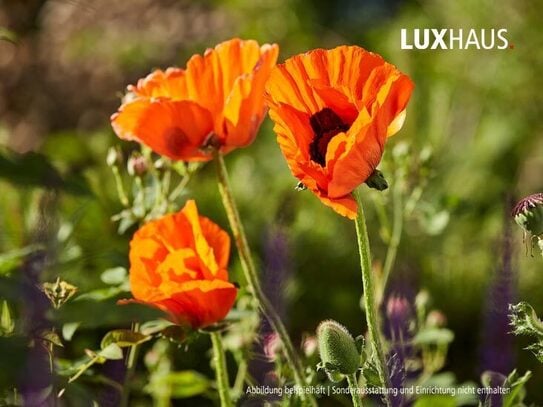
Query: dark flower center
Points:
[325, 124]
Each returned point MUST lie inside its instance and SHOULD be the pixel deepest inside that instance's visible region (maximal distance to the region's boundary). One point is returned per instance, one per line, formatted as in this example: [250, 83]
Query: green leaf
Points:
[525, 320]
[102, 294]
[33, 169]
[13, 259]
[430, 336]
[435, 400]
[114, 276]
[371, 375]
[187, 383]
[154, 327]
[111, 352]
[69, 329]
[123, 338]
[51, 337]
[7, 324]
[517, 392]
[7, 35]
[445, 379]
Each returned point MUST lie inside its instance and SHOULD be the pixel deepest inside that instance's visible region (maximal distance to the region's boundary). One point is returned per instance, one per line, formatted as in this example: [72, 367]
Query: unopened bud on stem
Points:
[338, 351]
[528, 214]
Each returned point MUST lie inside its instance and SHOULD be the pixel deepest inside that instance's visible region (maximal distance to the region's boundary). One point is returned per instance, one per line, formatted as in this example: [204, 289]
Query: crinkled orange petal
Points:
[200, 303]
[359, 159]
[176, 248]
[392, 110]
[349, 67]
[176, 129]
[293, 131]
[367, 94]
[370, 135]
[218, 240]
[173, 231]
[204, 251]
[288, 83]
[337, 101]
[220, 92]
[169, 84]
[176, 266]
[210, 77]
[244, 107]
[145, 256]
[345, 206]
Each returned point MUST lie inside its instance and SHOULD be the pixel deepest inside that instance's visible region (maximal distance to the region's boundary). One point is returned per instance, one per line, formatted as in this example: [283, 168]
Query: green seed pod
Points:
[528, 214]
[337, 349]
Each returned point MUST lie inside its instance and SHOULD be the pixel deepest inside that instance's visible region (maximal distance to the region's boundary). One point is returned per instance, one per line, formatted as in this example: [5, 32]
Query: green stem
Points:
[119, 185]
[179, 188]
[392, 251]
[130, 369]
[220, 370]
[353, 387]
[240, 378]
[83, 368]
[253, 281]
[369, 301]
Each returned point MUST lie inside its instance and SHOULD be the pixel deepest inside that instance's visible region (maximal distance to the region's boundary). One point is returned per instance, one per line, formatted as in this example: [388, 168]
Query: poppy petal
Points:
[176, 129]
[170, 84]
[360, 159]
[218, 240]
[244, 107]
[345, 206]
[204, 250]
[200, 302]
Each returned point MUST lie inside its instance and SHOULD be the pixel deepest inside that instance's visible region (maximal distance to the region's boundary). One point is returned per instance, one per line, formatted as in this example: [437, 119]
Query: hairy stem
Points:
[397, 227]
[369, 300]
[353, 387]
[253, 280]
[221, 372]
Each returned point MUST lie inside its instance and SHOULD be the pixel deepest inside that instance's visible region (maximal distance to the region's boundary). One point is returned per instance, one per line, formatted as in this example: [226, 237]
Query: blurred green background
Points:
[65, 64]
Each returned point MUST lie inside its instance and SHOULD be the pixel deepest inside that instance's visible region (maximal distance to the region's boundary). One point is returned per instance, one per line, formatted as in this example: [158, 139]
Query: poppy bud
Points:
[137, 165]
[310, 345]
[398, 308]
[528, 214]
[114, 156]
[436, 319]
[422, 299]
[338, 351]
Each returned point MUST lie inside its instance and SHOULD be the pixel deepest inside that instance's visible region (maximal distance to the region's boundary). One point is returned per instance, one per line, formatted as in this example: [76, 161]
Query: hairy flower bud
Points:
[338, 351]
[528, 213]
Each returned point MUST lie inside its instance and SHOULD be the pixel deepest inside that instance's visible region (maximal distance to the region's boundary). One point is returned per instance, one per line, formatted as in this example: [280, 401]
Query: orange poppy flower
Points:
[178, 264]
[333, 111]
[175, 112]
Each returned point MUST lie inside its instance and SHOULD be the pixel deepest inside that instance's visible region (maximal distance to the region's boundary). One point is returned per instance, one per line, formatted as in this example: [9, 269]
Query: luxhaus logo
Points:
[450, 38]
